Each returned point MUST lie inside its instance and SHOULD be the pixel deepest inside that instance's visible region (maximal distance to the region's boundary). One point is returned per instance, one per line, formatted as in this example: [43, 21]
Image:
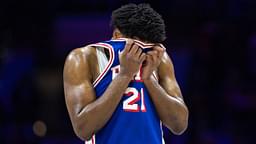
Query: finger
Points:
[128, 46]
[161, 54]
[134, 49]
[158, 48]
[139, 52]
[142, 57]
[160, 45]
[153, 54]
[160, 51]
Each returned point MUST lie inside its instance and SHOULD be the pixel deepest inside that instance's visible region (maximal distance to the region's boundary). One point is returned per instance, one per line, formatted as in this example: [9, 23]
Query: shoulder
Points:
[166, 68]
[81, 56]
[166, 62]
[78, 63]
[82, 53]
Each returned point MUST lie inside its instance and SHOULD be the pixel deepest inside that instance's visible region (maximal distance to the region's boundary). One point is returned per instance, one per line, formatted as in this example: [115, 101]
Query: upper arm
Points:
[167, 78]
[77, 78]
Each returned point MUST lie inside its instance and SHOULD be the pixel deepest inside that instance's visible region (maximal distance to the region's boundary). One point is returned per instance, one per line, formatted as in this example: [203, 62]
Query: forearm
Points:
[96, 114]
[171, 110]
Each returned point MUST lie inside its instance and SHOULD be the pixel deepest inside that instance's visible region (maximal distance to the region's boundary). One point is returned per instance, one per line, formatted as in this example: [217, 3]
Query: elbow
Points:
[82, 131]
[181, 123]
[178, 124]
[179, 128]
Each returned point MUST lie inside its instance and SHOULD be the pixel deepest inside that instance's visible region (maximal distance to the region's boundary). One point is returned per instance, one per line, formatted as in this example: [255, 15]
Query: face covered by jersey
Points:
[135, 119]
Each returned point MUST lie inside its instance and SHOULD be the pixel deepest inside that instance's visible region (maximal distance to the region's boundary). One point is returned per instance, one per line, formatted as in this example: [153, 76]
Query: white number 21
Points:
[130, 104]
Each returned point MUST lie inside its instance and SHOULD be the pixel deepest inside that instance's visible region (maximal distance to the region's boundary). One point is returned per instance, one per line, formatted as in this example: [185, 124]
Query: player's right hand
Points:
[131, 59]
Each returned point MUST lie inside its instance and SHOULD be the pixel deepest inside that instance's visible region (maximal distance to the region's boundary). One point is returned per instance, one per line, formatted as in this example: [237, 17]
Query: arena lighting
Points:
[39, 128]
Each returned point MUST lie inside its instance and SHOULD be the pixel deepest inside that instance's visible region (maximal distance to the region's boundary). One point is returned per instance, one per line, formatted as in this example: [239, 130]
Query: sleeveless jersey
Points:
[135, 120]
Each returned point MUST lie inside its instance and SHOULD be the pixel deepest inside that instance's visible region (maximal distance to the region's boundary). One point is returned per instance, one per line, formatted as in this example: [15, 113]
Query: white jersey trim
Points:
[140, 43]
[161, 127]
[110, 62]
[102, 59]
[91, 141]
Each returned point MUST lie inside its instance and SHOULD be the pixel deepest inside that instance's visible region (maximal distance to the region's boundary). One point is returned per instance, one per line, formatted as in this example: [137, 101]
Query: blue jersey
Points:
[135, 120]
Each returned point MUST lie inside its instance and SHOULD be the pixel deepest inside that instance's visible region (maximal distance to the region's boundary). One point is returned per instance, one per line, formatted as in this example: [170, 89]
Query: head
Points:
[138, 22]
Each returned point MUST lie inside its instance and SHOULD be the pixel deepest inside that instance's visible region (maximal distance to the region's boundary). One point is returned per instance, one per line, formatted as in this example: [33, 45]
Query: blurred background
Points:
[212, 44]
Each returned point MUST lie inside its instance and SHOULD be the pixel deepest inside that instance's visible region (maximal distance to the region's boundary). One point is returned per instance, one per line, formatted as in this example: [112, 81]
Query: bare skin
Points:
[165, 94]
[88, 114]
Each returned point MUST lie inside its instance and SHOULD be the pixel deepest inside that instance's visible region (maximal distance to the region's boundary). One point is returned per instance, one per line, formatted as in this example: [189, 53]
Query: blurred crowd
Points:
[212, 45]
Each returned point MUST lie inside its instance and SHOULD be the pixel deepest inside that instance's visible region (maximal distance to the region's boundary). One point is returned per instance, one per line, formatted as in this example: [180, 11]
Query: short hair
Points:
[140, 21]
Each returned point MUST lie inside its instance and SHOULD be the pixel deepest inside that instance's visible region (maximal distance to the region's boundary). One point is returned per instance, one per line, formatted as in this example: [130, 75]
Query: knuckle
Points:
[129, 55]
[140, 50]
[129, 40]
[135, 46]
[129, 43]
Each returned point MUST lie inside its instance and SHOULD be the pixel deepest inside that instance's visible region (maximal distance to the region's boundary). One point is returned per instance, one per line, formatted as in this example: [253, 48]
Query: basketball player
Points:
[121, 91]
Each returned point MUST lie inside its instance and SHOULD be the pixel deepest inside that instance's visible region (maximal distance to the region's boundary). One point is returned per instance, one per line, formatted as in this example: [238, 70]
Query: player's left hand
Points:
[153, 60]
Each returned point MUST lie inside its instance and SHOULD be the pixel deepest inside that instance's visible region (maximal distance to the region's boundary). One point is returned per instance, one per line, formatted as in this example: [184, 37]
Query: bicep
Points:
[78, 96]
[78, 87]
[167, 78]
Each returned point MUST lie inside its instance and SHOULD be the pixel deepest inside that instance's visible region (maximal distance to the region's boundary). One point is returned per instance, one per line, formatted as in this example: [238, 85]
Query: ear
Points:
[117, 34]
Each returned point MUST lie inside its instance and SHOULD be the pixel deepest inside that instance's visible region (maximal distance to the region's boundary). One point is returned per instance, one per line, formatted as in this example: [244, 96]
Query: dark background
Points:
[212, 44]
